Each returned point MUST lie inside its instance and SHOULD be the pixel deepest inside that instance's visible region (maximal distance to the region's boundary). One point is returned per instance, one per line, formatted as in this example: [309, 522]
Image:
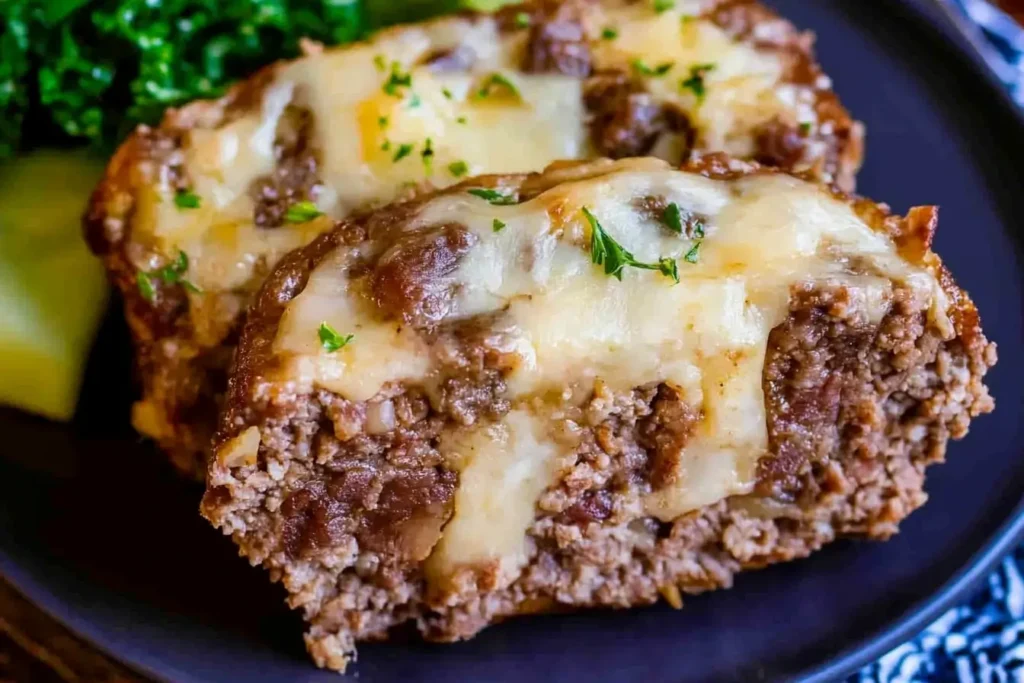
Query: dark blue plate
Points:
[97, 531]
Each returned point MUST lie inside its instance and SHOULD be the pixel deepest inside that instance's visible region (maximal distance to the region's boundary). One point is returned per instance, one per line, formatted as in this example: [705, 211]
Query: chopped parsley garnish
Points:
[186, 199]
[610, 33]
[805, 128]
[385, 146]
[195, 289]
[171, 274]
[428, 155]
[682, 222]
[302, 212]
[146, 288]
[663, 5]
[331, 340]
[641, 67]
[497, 225]
[497, 82]
[382, 121]
[404, 150]
[461, 119]
[447, 93]
[378, 61]
[694, 253]
[686, 19]
[415, 101]
[605, 251]
[522, 19]
[667, 267]
[493, 196]
[397, 79]
[458, 168]
[673, 218]
[695, 83]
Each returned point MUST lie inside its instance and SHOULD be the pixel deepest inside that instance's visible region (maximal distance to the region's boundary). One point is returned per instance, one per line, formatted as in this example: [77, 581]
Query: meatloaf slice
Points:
[602, 385]
[192, 215]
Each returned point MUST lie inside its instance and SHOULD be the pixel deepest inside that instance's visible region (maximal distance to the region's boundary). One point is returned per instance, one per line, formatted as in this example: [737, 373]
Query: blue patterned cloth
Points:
[979, 642]
[983, 640]
[1004, 41]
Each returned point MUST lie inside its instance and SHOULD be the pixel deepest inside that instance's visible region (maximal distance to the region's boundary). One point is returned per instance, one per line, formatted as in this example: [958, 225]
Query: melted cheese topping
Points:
[386, 352]
[570, 324]
[743, 90]
[500, 466]
[343, 89]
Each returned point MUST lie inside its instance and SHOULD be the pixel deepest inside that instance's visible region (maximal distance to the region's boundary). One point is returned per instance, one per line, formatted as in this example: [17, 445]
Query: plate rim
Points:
[851, 659]
[41, 597]
[936, 16]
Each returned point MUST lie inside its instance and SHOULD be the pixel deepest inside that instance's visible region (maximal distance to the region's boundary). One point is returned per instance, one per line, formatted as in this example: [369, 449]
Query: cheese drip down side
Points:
[358, 123]
[569, 324]
[500, 465]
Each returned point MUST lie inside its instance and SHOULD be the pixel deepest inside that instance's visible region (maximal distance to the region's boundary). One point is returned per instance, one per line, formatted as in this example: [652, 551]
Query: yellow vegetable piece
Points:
[52, 289]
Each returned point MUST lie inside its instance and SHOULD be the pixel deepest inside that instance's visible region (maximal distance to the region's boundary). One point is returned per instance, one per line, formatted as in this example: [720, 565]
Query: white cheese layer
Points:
[571, 324]
[500, 466]
[359, 125]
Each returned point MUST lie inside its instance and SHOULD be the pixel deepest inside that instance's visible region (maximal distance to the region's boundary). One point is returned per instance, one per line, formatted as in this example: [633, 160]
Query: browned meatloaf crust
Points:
[343, 512]
[182, 369]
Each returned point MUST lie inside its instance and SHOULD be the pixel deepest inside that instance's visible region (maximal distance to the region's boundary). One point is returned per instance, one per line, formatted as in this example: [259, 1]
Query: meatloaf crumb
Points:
[346, 499]
[664, 435]
[410, 280]
[626, 121]
[558, 41]
[790, 143]
[296, 177]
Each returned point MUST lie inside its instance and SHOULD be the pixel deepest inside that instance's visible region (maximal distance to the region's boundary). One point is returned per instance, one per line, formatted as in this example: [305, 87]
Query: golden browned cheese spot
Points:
[917, 232]
[720, 166]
